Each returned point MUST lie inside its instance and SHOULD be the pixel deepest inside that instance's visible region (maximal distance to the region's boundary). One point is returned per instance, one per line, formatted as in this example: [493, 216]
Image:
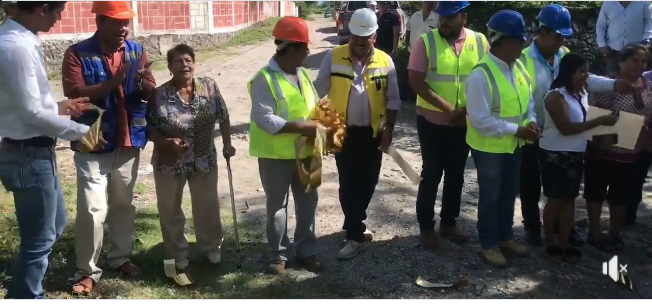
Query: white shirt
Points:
[418, 27]
[553, 140]
[26, 107]
[479, 102]
[619, 26]
[545, 74]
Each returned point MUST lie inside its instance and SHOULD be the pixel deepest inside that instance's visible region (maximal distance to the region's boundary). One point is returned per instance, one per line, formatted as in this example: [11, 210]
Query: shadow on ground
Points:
[387, 269]
[327, 30]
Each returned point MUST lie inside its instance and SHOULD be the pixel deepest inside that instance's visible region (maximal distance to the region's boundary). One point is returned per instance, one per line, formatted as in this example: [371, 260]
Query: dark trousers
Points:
[530, 188]
[443, 150]
[358, 166]
[642, 167]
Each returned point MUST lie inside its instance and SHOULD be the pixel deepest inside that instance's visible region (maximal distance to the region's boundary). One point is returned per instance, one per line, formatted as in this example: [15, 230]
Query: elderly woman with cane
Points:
[181, 119]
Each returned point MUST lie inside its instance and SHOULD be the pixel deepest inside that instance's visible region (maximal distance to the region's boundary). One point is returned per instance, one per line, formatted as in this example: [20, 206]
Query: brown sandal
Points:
[128, 269]
[83, 286]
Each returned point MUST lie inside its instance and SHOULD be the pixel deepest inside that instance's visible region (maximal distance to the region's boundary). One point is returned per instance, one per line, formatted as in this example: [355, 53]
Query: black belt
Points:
[39, 142]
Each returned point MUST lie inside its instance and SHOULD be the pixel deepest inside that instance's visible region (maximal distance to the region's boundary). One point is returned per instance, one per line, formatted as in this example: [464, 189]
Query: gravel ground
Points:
[389, 267]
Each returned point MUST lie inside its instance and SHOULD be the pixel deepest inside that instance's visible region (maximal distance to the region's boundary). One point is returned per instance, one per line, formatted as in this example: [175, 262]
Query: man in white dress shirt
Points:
[621, 23]
[29, 126]
[421, 22]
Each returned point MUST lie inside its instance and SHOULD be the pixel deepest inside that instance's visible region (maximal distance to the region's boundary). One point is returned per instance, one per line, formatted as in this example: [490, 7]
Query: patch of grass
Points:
[261, 31]
[258, 32]
[140, 188]
[223, 281]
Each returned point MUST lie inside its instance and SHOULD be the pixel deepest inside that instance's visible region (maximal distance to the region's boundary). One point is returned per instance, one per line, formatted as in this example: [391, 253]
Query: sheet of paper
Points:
[405, 167]
[628, 126]
[425, 284]
[170, 269]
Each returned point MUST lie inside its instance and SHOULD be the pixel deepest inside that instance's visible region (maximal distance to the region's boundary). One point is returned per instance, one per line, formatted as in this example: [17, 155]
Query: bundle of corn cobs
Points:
[329, 139]
[333, 122]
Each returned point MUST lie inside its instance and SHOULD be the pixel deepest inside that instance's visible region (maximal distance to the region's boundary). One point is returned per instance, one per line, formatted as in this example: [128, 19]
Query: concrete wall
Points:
[161, 24]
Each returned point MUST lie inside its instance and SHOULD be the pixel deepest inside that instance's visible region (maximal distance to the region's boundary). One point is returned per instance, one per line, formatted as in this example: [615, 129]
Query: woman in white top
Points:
[561, 153]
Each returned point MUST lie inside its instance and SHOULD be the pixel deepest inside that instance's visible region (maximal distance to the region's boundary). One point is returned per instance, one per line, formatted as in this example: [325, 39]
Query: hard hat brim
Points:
[120, 16]
[565, 32]
[363, 32]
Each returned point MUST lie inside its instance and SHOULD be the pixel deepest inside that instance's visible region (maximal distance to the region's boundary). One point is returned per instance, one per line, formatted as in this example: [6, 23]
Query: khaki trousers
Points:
[105, 184]
[205, 212]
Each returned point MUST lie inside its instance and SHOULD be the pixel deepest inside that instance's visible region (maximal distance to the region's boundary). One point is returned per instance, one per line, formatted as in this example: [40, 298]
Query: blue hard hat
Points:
[509, 23]
[556, 17]
[449, 8]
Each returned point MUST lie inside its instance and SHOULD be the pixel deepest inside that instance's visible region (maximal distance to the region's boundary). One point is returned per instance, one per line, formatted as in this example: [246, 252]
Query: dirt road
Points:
[392, 263]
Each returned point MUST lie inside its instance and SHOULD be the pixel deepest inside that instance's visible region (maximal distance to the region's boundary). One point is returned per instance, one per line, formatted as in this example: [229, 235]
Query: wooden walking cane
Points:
[235, 218]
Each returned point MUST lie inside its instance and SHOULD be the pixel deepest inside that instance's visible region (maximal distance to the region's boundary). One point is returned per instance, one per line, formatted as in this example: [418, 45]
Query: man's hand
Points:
[623, 87]
[121, 74]
[308, 129]
[605, 51]
[144, 73]
[176, 145]
[74, 107]
[458, 116]
[525, 133]
[386, 140]
[228, 151]
[534, 127]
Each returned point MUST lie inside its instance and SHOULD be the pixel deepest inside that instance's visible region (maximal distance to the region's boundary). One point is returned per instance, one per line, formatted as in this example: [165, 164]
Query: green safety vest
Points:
[292, 105]
[528, 62]
[446, 71]
[507, 103]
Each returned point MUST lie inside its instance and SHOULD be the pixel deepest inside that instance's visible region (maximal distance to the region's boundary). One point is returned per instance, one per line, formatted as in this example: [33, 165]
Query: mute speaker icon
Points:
[611, 268]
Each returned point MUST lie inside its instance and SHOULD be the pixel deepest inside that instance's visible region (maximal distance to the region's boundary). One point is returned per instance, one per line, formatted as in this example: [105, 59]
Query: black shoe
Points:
[575, 239]
[534, 238]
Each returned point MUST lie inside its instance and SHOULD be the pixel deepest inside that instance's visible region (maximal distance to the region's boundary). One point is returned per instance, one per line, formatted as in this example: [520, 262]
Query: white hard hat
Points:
[363, 23]
[373, 3]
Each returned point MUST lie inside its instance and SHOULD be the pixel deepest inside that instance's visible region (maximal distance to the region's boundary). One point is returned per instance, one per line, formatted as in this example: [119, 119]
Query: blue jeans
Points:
[30, 173]
[498, 182]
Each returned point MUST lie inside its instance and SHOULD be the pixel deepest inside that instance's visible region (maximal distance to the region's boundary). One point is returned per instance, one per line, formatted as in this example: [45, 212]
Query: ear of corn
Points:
[91, 139]
[329, 139]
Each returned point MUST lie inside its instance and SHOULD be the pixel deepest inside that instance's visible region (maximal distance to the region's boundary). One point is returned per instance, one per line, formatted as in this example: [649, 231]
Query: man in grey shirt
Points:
[282, 97]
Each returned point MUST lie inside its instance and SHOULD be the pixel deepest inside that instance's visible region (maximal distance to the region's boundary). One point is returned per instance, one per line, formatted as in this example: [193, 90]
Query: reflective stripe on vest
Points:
[448, 71]
[495, 93]
[509, 102]
[375, 79]
[288, 107]
[432, 60]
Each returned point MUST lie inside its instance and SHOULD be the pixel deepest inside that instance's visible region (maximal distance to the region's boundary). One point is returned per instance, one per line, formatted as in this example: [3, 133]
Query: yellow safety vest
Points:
[447, 72]
[292, 105]
[375, 80]
[528, 62]
[507, 103]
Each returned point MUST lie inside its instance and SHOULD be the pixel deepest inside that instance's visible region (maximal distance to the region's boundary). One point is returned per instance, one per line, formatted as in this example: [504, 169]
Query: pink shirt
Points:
[419, 62]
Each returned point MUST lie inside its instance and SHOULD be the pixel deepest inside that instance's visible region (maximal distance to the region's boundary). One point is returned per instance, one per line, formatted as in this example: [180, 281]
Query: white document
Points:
[628, 126]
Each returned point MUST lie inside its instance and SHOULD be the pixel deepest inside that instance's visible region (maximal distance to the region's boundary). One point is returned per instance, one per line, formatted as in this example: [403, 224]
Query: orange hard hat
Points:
[113, 9]
[291, 29]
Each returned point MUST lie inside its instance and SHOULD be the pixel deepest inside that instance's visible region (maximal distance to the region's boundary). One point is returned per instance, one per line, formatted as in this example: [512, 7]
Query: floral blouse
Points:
[192, 122]
[626, 103]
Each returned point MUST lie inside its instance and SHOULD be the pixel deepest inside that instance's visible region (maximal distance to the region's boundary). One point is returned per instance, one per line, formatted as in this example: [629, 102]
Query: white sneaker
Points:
[214, 257]
[351, 250]
[183, 264]
[368, 235]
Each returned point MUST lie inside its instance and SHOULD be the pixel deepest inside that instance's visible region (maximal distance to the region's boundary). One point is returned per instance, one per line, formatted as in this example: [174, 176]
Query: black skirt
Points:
[561, 173]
